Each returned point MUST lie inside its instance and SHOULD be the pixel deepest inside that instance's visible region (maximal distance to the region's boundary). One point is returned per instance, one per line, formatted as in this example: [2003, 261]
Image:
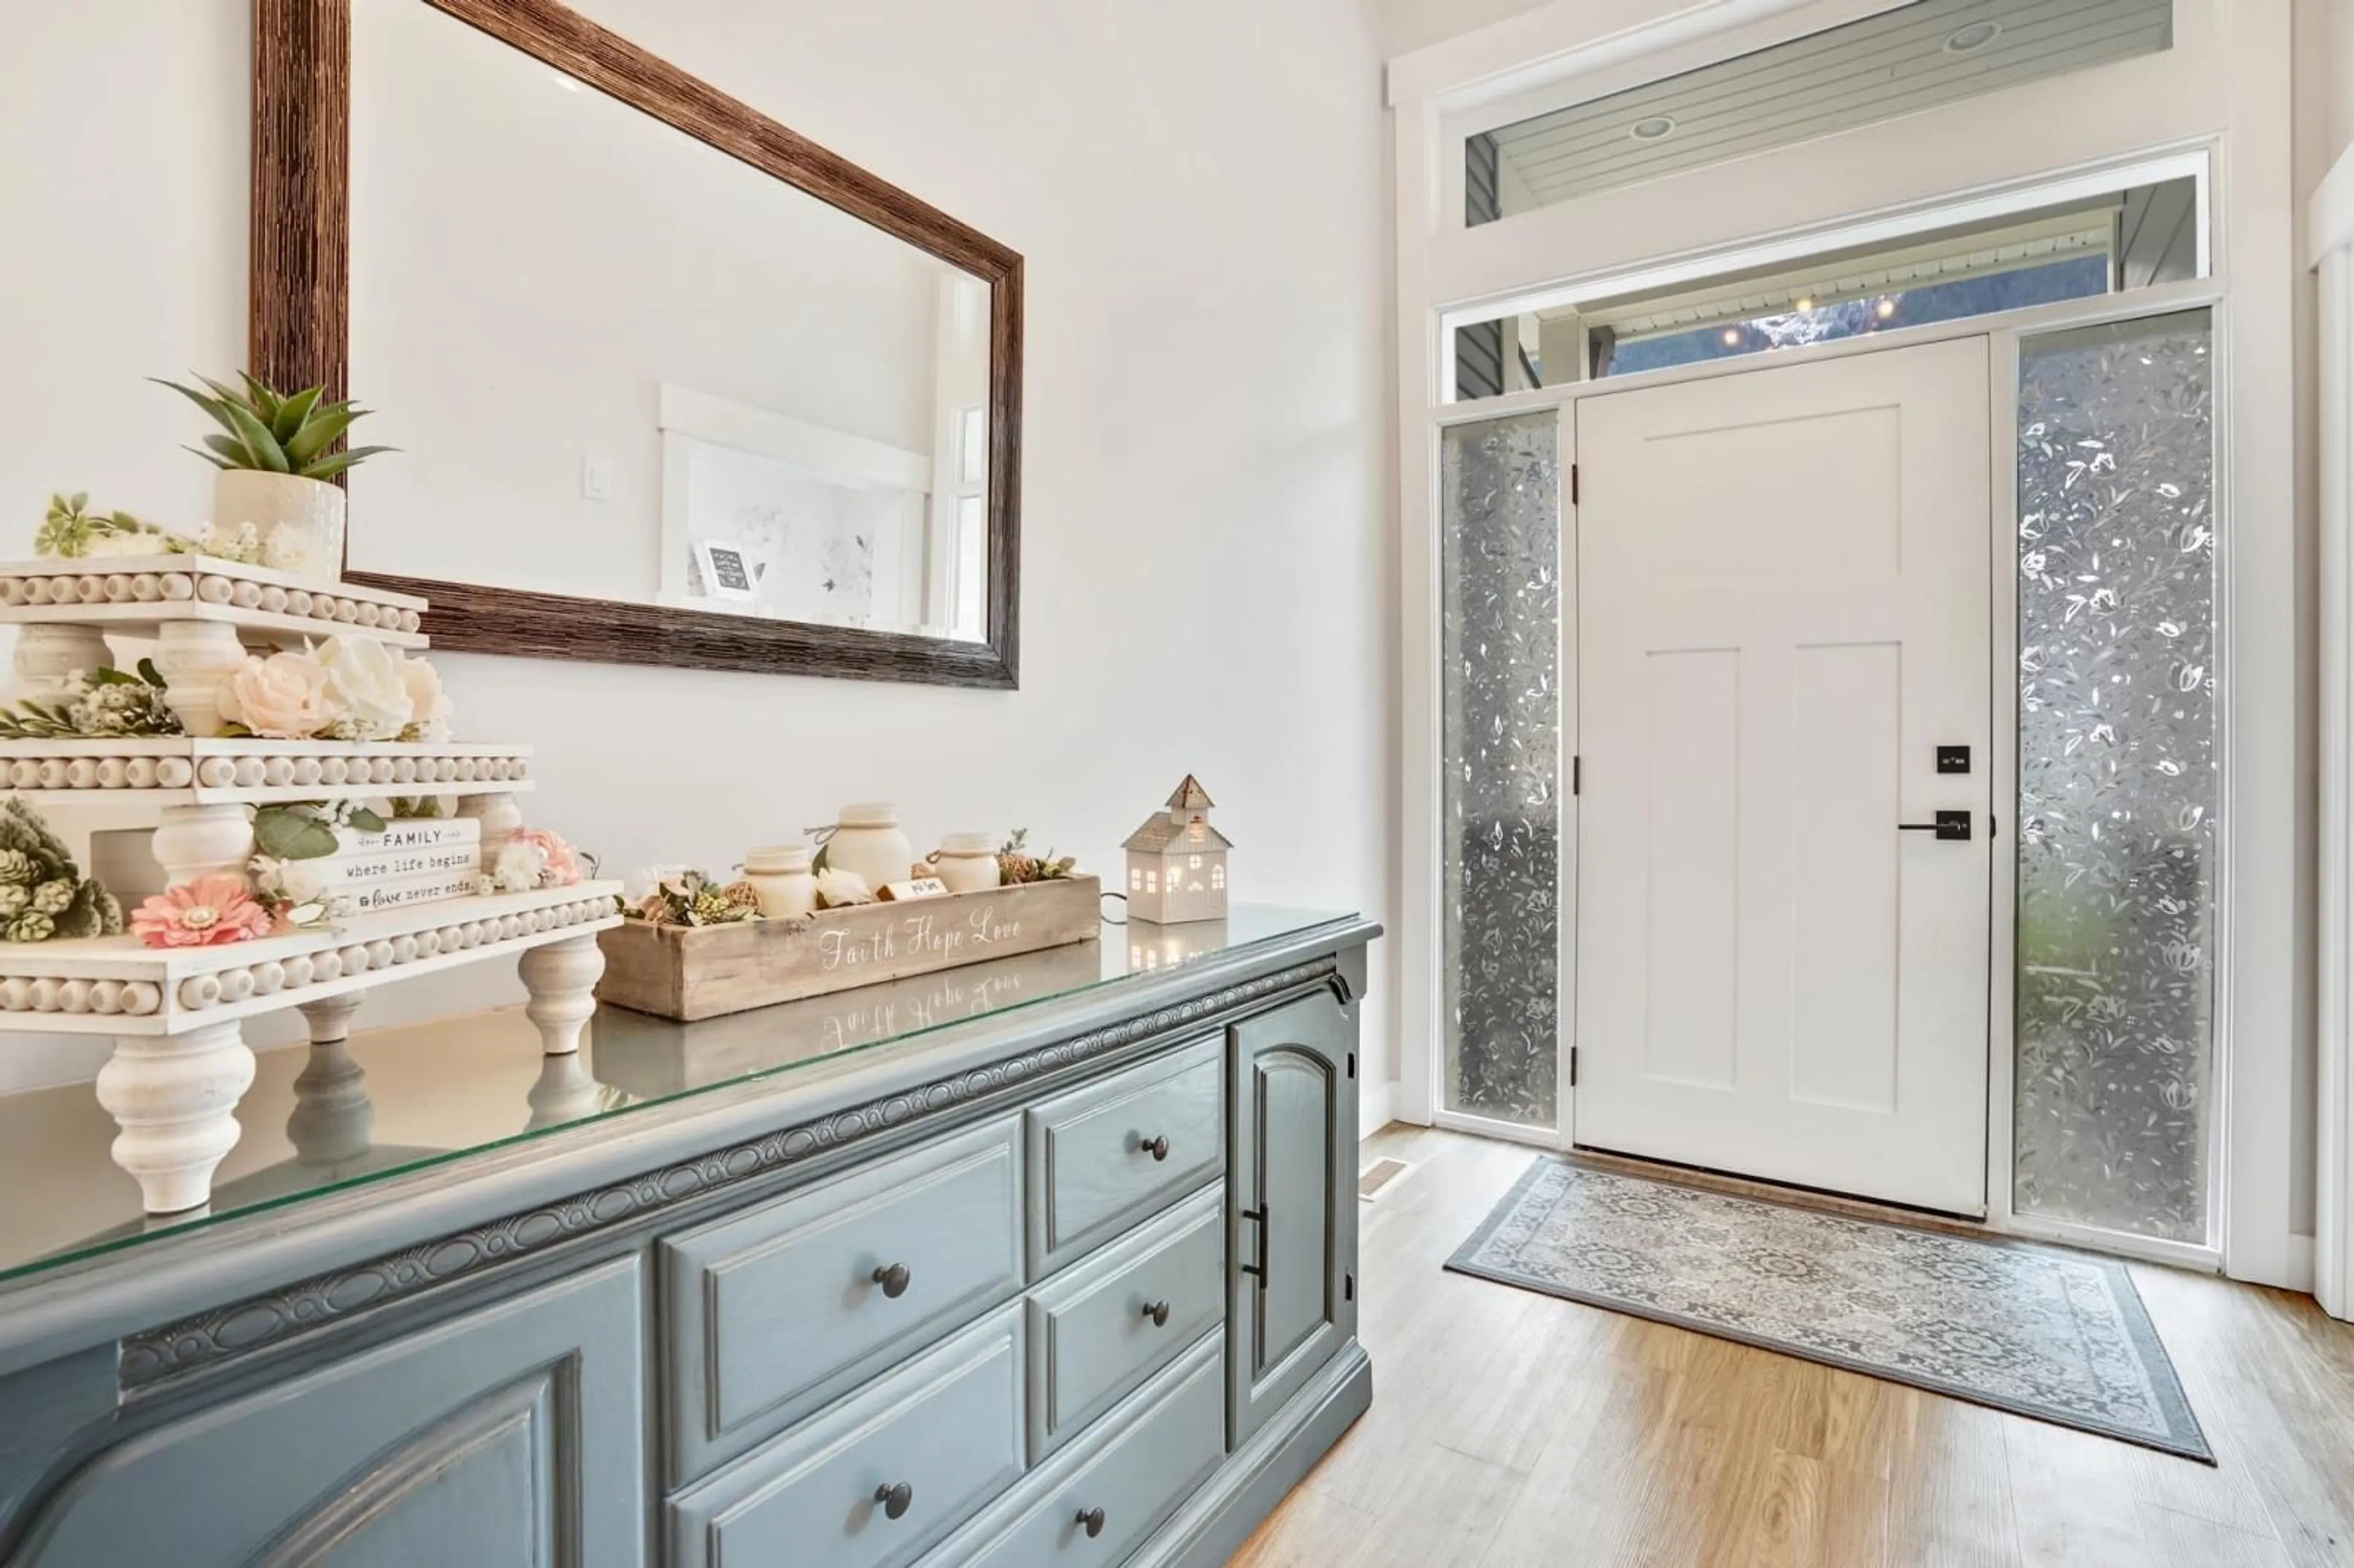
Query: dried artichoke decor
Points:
[691, 899]
[42, 893]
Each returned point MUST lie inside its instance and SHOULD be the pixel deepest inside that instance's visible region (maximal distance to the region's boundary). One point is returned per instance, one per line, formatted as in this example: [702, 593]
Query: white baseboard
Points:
[1375, 1104]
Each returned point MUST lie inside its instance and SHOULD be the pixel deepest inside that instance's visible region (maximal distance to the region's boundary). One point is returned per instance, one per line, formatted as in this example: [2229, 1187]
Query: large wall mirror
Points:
[670, 384]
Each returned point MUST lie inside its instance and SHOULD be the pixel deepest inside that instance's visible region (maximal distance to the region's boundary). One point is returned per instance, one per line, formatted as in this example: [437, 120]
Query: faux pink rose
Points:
[428, 705]
[201, 914]
[287, 697]
[559, 862]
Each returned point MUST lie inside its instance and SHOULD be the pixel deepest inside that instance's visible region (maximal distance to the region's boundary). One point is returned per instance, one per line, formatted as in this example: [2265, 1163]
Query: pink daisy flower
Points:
[201, 914]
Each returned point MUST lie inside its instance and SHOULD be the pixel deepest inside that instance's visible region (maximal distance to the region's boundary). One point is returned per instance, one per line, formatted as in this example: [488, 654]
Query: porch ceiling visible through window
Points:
[1898, 62]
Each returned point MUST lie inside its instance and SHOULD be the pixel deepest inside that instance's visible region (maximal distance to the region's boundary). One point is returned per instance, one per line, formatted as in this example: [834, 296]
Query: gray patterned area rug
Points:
[2060, 1336]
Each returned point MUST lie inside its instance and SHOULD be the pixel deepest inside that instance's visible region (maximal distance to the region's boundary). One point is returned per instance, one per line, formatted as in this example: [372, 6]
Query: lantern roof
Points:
[1160, 835]
[1190, 796]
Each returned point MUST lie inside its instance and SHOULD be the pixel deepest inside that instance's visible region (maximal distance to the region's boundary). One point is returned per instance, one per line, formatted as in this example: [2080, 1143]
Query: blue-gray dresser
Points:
[1046, 1261]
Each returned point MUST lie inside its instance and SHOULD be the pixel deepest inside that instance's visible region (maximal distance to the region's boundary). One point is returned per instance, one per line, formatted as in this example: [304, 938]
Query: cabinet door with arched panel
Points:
[1293, 1285]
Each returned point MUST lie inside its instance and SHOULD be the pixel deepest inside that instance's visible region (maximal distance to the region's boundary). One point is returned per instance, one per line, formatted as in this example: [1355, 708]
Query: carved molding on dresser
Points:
[941, 1303]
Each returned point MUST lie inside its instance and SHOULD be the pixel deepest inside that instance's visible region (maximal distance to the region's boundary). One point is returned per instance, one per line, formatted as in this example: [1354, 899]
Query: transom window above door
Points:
[2133, 238]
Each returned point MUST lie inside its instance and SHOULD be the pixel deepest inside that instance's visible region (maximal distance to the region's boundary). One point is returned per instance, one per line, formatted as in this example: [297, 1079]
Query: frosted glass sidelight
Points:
[2115, 1099]
[1501, 801]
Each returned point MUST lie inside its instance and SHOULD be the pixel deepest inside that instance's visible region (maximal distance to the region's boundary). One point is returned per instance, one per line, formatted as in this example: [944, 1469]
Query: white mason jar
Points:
[301, 521]
[780, 875]
[866, 840]
[967, 863]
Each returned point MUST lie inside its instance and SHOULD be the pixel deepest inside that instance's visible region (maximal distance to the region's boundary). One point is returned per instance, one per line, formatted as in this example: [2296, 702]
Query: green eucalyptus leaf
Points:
[107, 675]
[366, 820]
[291, 835]
[149, 673]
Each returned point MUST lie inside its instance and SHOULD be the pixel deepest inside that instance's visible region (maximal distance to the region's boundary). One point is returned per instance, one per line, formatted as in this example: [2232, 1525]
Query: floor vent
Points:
[1378, 1177]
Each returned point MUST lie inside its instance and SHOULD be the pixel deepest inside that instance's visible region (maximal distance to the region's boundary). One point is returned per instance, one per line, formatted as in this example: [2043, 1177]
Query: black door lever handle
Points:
[1950, 827]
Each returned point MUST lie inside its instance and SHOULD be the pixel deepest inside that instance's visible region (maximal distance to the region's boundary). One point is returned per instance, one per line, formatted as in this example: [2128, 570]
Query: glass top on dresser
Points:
[319, 1119]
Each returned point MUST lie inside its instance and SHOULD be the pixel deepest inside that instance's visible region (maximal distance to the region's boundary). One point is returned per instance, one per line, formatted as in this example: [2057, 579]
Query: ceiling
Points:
[1896, 62]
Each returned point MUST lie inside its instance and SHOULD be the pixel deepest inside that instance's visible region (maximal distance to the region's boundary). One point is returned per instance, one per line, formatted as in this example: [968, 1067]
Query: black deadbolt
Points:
[1953, 759]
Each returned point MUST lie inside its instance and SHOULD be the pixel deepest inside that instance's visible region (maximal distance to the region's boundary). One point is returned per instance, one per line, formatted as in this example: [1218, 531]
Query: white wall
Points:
[1209, 565]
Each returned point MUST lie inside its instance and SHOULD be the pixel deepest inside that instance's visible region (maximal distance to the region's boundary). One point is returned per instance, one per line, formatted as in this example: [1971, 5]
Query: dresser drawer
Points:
[947, 1428]
[1107, 1156]
[1105, 1325]
[1137, 1466]
[774, 1313]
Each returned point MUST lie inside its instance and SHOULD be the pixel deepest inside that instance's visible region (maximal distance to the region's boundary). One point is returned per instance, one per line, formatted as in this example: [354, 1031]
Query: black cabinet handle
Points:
[1091, 1520]
[1258, 1244]
[1158, 1312]
[1156, 1146]
[893, 1278]
[895, 1497]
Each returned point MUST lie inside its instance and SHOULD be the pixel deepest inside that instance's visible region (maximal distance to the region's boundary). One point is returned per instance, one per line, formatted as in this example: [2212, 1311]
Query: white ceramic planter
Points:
[301, 521]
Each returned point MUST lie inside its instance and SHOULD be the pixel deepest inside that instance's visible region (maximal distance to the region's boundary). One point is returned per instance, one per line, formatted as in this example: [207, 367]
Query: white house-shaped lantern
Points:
[1177, 862]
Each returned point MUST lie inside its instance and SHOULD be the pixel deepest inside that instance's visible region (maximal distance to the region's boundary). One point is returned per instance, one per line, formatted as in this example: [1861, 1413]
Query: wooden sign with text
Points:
[701, 972]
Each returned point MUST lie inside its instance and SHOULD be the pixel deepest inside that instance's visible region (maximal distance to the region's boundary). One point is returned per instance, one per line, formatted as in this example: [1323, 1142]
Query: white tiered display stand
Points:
[180, 1062]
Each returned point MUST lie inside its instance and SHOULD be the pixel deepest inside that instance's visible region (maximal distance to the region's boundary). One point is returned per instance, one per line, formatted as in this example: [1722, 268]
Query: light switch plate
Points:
[596, 479]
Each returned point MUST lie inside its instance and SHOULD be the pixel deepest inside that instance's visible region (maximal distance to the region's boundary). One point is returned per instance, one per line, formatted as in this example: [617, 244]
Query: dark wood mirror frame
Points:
[300, 317]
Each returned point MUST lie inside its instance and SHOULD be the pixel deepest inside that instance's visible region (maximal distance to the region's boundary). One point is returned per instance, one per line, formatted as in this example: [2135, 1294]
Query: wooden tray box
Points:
[688, 972]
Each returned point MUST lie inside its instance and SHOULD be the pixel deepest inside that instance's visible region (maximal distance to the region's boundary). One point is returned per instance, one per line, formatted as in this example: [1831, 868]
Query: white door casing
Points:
[1784, 613]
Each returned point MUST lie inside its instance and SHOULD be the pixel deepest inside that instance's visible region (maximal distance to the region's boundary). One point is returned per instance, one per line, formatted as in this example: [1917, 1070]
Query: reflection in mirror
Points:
[622, 364]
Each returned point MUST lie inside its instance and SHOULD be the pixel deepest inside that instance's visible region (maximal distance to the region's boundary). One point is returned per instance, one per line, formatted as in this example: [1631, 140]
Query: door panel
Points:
[1784, 580]
[1293, 1289]
[509, 1437]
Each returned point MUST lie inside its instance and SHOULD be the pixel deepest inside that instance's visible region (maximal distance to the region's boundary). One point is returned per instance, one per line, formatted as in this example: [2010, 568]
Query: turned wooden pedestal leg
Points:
[201, 840]
[47, 653]
[564, 1092]
[562, 979]
[333, 1119]
[499, 817]
[195, 657]
[174, 1097]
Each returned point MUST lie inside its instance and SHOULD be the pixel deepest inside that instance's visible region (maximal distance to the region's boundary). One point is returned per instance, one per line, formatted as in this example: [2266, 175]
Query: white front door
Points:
[1783, 615]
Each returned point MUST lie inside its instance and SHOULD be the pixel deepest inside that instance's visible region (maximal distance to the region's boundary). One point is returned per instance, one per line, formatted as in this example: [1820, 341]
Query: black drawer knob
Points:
[1158, 1312]
[1091, 1520]
[1156, 1146]
[893, 1278]
[895, 1499]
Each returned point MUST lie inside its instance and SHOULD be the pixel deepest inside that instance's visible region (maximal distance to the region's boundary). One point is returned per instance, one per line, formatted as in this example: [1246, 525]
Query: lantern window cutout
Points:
[1177, 861]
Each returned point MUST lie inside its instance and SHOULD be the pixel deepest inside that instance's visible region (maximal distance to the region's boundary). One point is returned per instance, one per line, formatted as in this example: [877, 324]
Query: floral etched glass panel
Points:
[1500, 690]
[2117, 778]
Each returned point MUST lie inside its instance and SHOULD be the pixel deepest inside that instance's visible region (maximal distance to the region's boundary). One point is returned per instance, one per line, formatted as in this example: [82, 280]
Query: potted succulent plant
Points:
[277, 462]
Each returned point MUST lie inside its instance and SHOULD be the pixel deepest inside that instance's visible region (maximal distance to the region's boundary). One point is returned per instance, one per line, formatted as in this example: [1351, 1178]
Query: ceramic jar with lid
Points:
[780, 875]
[967, 863]
[866, 840]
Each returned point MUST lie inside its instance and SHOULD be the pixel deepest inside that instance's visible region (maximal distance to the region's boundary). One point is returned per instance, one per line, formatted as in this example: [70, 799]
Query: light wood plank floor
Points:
[1514, 1430]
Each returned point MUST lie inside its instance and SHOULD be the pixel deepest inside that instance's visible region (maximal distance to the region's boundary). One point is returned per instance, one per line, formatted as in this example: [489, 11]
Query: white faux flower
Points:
[301, 881]
[517, 867]
[367, 675]
[113, 544]
[428, 705]
[836, 887]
